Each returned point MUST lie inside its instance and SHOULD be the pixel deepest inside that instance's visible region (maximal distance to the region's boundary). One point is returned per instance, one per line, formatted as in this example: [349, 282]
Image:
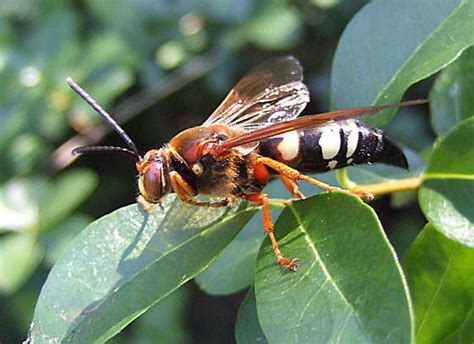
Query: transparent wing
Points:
[272, 92]
[308, 122]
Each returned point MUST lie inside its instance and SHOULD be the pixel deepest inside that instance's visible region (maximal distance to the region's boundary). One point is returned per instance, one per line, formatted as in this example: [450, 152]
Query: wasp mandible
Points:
[252, 136]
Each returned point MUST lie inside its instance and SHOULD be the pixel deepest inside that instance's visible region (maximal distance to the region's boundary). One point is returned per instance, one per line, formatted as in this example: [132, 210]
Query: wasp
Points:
[253, 135]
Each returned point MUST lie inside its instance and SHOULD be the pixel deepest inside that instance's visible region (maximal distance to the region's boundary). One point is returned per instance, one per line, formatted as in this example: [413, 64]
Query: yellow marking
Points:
[352, 141]
[330, 142]
[289, 145]
[332, 164]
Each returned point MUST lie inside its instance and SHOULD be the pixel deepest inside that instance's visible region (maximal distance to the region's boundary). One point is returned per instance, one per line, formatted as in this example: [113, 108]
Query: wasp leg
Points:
[147, 206]
[262, 199]
[294, 175]
[292, 187]
[184, 191]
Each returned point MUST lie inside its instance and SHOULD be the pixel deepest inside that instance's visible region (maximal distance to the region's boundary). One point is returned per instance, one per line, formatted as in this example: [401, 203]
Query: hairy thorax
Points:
[228, 175]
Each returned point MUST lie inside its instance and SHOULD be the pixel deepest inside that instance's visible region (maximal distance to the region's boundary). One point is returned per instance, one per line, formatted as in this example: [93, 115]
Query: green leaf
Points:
[124, 263]
[247, 327]
[241, 10]
[65, 195]
[285, 24]
[405, 224]
[417, 136]
[390, 45]
[451, 99]
[19, 256]
[236, 262]
[349, 289]
[60, 237]
[18, 208]
[446, 193]
[441, 278]
[164, 323]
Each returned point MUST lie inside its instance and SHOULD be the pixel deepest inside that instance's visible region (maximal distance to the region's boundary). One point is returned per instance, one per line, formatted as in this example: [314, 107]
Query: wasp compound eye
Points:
[151, 182]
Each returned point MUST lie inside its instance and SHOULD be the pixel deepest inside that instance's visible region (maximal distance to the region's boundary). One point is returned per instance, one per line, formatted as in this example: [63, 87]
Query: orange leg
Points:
[262, 199]
[292, 187]
[294, 175]
[147, 206]
[184, 191]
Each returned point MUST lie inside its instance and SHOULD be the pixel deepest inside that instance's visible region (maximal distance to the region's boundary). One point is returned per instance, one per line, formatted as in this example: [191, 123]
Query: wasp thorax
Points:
[153, 180]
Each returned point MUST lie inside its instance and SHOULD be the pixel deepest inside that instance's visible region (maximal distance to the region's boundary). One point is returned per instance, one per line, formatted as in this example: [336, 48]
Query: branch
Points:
[378, 189]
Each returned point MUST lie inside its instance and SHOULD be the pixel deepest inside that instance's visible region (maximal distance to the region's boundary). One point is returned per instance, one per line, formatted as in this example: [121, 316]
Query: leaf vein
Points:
[303, 311]
[338, 339]
[313, 264]
[435, 295]
[324, 268]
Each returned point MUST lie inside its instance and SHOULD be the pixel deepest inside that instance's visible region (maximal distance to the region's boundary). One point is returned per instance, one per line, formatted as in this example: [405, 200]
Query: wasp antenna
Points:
[107, 118]
[105, 149]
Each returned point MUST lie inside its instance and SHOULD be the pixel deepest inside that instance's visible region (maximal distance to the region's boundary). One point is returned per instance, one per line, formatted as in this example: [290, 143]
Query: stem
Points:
[278, 203]
[343, 178]
[378, 189]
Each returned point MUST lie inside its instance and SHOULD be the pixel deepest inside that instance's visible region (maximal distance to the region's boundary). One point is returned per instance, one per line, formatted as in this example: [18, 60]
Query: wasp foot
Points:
[290, 264]
[146, 206]
[363, 194]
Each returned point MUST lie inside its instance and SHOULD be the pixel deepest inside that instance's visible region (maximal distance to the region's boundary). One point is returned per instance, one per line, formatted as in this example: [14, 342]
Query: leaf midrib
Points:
[146, 267]
[435, 295]
[324, 268]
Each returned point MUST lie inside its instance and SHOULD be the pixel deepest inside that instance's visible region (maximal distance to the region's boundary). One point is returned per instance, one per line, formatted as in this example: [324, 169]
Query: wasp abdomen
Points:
[336, 145]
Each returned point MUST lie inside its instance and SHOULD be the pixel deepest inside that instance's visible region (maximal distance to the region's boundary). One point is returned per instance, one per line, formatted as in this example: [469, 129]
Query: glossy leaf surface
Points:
[164, 323]
[65, 195]
[390, 45]
[452, 95]
[126, 262]
[446, 193]
[349, 289]
[237, 261]
[440, 273]
[234, 268]
[19, 257]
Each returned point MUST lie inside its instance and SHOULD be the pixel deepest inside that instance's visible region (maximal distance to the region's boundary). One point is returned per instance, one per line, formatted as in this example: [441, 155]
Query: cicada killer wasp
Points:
[254, 135]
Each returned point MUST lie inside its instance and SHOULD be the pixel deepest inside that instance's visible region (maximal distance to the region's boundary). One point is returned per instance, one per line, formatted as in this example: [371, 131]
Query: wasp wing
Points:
[272, 92]
[309, 121]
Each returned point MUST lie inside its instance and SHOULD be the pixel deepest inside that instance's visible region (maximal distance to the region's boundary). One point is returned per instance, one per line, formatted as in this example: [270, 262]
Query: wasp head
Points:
[153, 175]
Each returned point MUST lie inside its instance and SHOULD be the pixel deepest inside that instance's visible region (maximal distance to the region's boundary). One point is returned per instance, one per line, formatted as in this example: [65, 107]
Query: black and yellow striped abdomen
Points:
[336, 145]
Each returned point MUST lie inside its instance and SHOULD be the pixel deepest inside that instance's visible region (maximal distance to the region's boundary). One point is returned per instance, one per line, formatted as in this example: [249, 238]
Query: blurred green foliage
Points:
[118, 49]
[161, 66]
